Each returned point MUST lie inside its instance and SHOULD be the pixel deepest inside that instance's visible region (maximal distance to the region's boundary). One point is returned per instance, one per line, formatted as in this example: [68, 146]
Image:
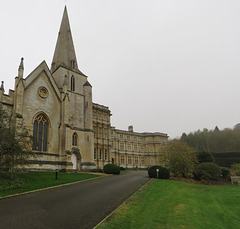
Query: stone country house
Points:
[70, 132]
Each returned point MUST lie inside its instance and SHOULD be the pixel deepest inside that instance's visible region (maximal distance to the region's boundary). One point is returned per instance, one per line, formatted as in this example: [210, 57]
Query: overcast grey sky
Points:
[160, 65]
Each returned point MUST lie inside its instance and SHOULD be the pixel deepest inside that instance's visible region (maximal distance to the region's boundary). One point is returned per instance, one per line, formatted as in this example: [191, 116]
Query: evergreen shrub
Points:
[225, 171]
[207, 171]
[205, 157]
[111, 169]
[162, 174]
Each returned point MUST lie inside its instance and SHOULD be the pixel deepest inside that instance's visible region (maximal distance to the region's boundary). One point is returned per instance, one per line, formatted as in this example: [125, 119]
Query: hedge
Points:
[111, 169]
[162, 174]
[226, 159]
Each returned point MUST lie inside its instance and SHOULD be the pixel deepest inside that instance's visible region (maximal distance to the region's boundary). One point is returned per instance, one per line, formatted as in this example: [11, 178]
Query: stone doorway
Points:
[76, 160]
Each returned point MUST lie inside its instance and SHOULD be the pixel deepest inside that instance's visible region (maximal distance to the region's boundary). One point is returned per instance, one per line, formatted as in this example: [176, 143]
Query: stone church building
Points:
[69, 131]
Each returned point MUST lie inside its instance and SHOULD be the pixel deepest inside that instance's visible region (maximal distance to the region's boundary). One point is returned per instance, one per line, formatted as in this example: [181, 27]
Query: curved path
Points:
[80, 205]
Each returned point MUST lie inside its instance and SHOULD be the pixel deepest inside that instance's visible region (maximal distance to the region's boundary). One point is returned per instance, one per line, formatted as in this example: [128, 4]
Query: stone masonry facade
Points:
[70, 132]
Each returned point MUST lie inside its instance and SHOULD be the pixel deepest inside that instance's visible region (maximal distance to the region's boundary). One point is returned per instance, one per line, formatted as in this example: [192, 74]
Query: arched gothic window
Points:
[74, 139]
[40, 132]
[72, 83]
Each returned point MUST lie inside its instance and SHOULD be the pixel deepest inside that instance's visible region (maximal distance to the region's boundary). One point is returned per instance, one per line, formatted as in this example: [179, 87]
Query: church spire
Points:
[64, 54]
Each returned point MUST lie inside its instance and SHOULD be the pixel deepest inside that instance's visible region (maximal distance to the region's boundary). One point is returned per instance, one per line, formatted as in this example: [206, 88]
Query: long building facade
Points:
[136, 150]
[70, 132]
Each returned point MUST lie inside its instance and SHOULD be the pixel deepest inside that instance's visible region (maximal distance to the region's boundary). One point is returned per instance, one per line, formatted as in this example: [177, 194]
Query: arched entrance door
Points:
[76, 159]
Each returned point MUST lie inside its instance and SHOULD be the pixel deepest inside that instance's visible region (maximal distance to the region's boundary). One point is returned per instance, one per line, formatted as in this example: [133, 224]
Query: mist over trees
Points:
[227, 140]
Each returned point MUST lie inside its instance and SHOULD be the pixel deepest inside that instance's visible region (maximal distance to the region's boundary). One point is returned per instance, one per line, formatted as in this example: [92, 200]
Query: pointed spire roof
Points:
[64, 54]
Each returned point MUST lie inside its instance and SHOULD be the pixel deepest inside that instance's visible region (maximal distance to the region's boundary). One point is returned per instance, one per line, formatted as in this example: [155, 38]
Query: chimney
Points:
[130, 128]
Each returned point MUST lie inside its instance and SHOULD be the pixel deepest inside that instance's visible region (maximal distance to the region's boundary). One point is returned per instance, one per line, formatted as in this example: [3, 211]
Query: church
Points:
[70, 132]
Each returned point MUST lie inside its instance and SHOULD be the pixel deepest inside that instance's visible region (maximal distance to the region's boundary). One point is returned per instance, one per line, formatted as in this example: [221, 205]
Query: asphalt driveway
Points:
[80, 205]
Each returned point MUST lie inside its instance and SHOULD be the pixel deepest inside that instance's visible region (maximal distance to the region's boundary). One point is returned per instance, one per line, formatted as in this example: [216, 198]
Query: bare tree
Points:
[15, 141]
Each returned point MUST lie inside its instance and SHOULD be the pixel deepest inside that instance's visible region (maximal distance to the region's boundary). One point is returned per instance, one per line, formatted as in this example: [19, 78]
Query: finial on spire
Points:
[21, 64]
[20, 69]
[2, 86]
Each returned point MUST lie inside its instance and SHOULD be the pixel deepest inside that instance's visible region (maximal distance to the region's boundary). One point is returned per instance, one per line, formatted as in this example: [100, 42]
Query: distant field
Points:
[175, 204]
[22, 182]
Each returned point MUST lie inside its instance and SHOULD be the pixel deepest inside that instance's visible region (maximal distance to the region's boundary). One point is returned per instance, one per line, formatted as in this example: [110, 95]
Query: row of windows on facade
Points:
[129, 160]
[129, 147]
[128, 137]
[134, 147]
[100, 116]
[100, 154]
[40, 133]
[100, 132]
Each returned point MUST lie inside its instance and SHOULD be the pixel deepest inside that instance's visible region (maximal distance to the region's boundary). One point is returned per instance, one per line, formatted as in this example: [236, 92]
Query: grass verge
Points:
[175, 204]
[22, 182]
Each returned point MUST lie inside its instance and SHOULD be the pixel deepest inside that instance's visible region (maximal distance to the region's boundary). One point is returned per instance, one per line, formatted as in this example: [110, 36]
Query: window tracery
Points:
[40, 133]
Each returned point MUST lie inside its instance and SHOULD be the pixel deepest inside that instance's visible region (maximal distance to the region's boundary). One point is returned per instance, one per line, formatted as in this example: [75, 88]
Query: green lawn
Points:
[22, 182]
[175, 204]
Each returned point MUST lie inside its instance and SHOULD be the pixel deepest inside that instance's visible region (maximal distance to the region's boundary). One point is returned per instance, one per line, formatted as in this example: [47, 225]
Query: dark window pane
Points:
[45, 137]
[72, 83]
[35, 126]
[75, 139]
[40, 130]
